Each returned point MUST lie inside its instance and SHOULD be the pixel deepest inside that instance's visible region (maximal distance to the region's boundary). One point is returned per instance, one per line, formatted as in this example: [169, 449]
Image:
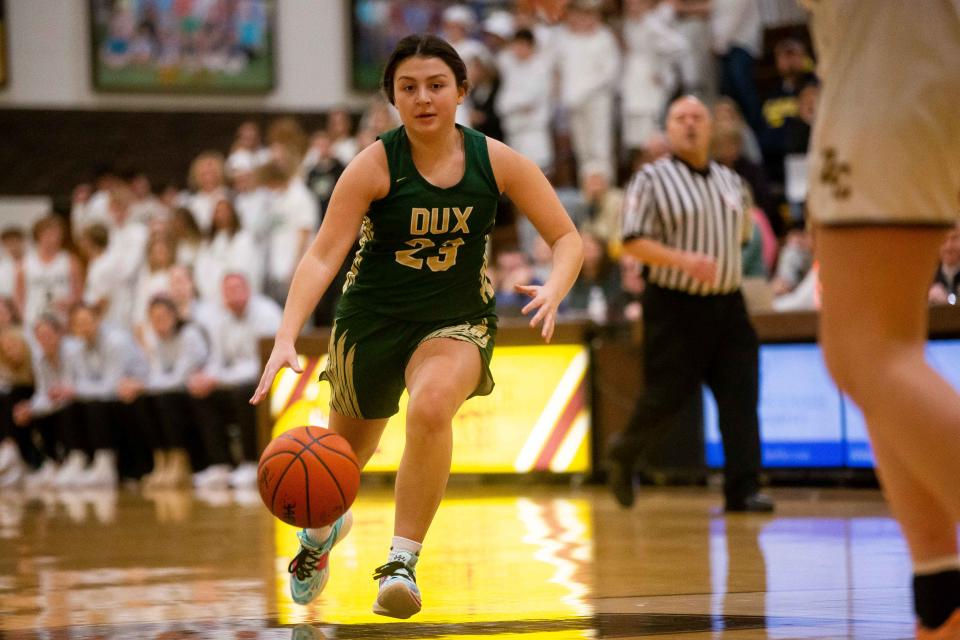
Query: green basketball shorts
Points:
[369, 352]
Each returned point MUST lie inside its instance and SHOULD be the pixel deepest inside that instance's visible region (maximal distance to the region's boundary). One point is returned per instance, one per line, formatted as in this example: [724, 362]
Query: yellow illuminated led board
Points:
[536, 419]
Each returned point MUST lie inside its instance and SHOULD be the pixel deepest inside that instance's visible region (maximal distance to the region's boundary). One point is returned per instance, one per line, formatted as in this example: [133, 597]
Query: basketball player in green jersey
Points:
[418, 309]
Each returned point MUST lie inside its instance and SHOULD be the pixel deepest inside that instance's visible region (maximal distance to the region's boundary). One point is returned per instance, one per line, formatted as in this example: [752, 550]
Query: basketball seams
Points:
[343, 498]
[304, 438]
[277, 484]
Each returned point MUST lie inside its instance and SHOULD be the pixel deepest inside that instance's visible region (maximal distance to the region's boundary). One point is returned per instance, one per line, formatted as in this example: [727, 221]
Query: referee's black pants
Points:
[690, 340]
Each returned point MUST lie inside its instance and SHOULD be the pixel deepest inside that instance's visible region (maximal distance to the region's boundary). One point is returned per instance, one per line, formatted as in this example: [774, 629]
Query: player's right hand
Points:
[284, 354]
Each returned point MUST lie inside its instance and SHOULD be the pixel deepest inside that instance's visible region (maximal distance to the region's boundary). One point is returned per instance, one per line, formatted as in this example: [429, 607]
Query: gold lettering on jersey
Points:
[419, 221]
[435, 221]
[462, 219]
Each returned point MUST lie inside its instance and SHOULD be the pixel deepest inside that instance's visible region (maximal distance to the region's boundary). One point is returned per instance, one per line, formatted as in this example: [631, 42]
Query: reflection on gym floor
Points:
[503, 562]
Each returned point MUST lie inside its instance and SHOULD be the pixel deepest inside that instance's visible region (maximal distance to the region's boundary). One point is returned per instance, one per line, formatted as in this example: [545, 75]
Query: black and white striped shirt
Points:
[701, 211]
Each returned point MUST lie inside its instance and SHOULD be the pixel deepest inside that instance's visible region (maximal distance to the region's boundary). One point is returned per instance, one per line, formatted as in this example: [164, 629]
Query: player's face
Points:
[688, 126]
[426, 94]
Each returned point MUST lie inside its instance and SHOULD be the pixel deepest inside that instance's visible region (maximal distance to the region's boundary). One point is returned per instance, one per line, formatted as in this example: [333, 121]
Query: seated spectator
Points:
[91, 203]
[227, 248]
[626, 304]
[513, 269]
[248, 141]
[379, 117]
[294, 219]
[343, 145]
[653, 51]
[187, 235]
[47, 412]
[146, 206]
[323, 168]
[50, 280]
[796, 133]
[17, 451]
[208, 186]
[223, 388]
[106, 368]
[793, 65]
[524, 102]
[484, 86]
[11, 260]
[154, 279]
[598, 283]
[946, 284]
[189, 307]
[251, 200]
[179, 350]
[127, 248]
[595, 207]
[726, 149]
[101, 284]
[796, 258]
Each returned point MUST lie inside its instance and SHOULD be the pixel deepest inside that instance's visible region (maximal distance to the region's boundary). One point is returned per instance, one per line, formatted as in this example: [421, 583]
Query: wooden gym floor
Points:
[501, 562]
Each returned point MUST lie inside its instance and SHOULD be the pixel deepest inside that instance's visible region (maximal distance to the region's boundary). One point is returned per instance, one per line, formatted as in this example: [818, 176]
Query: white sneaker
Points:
[12, 468]
[399, 596]
[244, 476]
[103, 471]
[213, 477]
[71, 469]
[44, 476]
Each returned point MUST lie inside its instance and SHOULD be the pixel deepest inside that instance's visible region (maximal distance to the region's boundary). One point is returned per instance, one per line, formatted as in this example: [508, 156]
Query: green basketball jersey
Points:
[422, 250]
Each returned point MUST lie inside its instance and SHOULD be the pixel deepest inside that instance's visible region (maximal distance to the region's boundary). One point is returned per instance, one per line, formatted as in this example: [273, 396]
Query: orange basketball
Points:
[308, 476]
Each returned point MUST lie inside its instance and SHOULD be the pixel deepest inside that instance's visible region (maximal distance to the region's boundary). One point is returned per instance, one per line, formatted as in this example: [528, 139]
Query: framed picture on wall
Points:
[183, 46]
[4, 72]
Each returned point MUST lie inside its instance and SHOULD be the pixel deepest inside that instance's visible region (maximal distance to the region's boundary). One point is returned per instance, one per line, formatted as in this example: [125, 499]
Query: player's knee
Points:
[861, 368]
[430, 411]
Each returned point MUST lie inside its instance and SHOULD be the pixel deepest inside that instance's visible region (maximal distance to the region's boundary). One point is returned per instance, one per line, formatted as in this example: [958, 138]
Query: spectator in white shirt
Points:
[180, 349]
[153, 280]
[524, 101]
[47, 412]
[187, 235]
[458, 23]
[295, 216]
[208, 186]
[228, 247]
[50, 279]
[738, 43]
[251, 201]
[101, 282]
[588, 59]
[340, 129]
[106, 369]
[654, 50]
[189, 307]
[224, 387]
[146, 206]
[127, 250]
[11, 260]
[91, 203]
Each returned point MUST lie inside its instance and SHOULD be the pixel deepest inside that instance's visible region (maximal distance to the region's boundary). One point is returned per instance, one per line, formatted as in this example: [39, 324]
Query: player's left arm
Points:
[522, 181]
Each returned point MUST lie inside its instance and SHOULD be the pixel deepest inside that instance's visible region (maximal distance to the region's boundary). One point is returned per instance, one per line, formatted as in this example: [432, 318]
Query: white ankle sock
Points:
[936, 565]
[319, 536]
[405, 544]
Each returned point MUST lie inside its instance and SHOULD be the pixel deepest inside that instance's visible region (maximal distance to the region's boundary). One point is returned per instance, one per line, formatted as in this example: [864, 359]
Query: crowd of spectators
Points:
[129, 330]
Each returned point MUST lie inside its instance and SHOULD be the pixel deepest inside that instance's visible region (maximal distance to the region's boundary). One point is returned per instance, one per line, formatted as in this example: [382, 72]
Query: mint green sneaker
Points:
[399, 596]
[309, 570]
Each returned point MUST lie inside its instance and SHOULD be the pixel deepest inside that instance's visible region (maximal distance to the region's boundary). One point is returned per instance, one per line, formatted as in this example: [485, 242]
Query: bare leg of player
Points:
[873, 329]
[441, 374]
[310, 569]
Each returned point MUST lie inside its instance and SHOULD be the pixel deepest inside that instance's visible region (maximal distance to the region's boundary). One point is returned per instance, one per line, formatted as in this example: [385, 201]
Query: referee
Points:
[686, 218]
